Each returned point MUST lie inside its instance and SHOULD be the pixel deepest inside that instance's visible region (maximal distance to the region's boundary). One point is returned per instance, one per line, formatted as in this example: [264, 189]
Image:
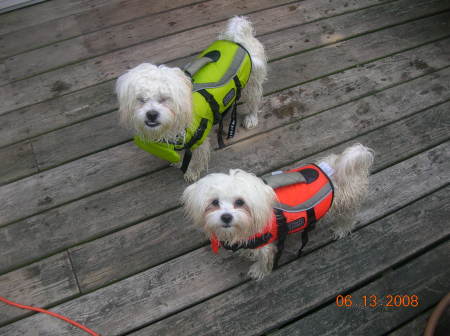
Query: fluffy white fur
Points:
[156, 101]
[248, 201]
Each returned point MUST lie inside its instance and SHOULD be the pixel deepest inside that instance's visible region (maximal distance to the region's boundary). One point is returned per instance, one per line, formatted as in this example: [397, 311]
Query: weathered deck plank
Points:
[103, 68]
[380, 109]
[136, 248]
[79, 138]
[348, 262]
[417, 326]
[151, 295]
[410, 279]
[91, 104]
[127, 34]
[43, 283]
[92, 18]
[52, 114]
[91, 45]
[35, 15]
[17, 161]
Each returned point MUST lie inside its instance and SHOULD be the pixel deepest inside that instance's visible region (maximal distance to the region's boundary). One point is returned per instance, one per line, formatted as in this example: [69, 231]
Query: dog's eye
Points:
[162, 100]
[215, 202]
[239, 202]
[141, 100]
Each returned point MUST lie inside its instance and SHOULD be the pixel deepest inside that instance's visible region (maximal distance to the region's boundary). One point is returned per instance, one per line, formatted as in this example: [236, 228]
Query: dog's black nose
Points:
[226, 218]
[152, 115]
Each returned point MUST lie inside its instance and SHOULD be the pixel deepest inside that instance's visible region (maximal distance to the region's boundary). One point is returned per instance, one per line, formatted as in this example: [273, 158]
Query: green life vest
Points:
[218, 74]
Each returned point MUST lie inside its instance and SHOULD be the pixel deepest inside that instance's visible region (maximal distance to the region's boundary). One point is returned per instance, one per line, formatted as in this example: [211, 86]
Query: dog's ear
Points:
[260, 197]
[125, 96]
[192, 203]
[182, 94]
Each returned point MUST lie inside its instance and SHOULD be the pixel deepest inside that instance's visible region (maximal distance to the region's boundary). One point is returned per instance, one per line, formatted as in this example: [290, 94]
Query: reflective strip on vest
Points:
[241, 53]
[310, 203]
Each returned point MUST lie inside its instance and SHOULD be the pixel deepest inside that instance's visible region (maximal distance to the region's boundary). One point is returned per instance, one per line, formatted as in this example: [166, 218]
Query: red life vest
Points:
[304, 194]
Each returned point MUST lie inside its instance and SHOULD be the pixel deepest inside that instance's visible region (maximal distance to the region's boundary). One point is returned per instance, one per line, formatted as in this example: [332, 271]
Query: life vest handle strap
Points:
[193, 67]
[285, 179]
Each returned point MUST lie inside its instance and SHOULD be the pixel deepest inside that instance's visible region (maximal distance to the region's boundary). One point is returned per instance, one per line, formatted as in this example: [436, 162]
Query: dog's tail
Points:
[240, 30]
[351, 181]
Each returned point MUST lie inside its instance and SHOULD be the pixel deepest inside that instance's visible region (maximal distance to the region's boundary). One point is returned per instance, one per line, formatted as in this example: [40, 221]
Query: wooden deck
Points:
[91, 227]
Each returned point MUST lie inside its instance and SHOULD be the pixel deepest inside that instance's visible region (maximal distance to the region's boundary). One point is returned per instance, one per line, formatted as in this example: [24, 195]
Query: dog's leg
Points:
[351, 181]
[252, 94]
[265, 257]
[343, 223]
[199, 162]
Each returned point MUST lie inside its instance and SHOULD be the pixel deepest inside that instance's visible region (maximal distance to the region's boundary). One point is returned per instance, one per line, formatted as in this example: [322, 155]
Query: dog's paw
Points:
[191, 176]
[257, 272]
[251, 121]
[339, 233]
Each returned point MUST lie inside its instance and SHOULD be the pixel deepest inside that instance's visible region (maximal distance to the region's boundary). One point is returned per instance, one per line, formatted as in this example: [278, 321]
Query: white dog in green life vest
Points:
[172, 110]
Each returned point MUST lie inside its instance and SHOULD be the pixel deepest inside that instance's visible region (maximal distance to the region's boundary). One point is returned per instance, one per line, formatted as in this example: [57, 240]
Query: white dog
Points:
[165, 106]
[242, 211]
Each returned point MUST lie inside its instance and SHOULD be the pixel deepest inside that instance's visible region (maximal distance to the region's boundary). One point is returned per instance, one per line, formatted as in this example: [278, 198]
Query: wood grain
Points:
[410, 279]
[148, 26]
[418, 325]
[40, 284]
[73, 180]
[92, 18]
[102, 68]
[17, 161]
[35, 15]
[40, 118]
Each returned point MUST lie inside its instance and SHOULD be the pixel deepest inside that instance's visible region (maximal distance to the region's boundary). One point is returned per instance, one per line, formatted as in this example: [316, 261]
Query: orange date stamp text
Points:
[374, 301]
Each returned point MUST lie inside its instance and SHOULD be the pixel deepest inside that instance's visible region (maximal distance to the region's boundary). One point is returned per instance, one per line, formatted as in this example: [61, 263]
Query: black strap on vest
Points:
[282, 234]
[212, 103]
[187, 147]
[283, 230]
[186, 160]
[251, 244]
[218, 118]
[233, 121]
[311, 225]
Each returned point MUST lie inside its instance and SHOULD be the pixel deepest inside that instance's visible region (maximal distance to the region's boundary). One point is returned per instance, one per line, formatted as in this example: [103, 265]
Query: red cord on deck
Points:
[40, 310]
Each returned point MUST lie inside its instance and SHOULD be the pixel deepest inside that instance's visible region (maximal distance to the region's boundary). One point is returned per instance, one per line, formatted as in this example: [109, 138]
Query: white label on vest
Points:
[326, 168]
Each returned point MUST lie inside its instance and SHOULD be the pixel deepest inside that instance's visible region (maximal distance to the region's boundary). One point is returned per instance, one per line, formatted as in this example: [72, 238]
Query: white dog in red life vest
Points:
[239, 211]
